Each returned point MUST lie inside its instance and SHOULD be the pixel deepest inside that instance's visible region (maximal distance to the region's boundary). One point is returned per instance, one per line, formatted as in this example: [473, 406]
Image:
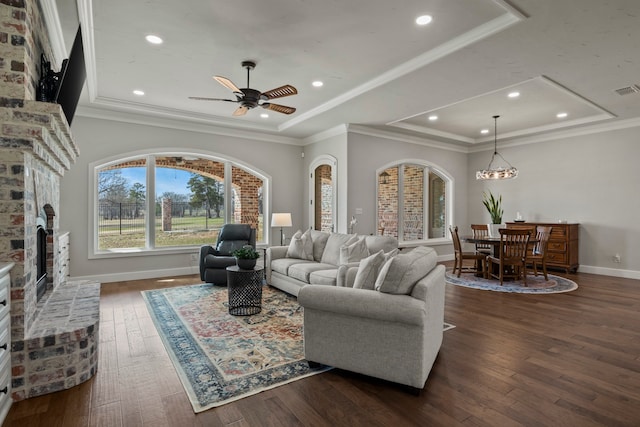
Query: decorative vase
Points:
[493, 229]
[246, 264]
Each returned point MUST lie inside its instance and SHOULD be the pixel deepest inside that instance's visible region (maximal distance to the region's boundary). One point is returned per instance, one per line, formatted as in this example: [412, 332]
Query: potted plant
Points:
[494, 206]
[246, 257]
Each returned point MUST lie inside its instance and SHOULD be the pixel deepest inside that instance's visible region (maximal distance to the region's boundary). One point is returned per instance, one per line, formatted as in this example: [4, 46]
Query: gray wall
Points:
[100, 139]
[590, 179]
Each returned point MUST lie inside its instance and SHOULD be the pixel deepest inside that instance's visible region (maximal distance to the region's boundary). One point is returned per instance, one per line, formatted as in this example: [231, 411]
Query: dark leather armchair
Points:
[215, 260]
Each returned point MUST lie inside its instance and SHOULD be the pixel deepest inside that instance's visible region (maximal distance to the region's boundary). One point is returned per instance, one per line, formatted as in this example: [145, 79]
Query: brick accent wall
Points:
[54, 341]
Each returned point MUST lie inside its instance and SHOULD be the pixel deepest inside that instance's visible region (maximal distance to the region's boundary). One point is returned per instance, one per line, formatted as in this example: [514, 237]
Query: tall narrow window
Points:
[412, 202]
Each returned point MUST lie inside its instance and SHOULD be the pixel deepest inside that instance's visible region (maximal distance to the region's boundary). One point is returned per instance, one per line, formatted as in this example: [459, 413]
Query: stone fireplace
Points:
[53, 339]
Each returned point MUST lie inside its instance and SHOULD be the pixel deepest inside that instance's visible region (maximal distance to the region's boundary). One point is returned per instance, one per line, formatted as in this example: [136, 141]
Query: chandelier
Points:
[496, 171]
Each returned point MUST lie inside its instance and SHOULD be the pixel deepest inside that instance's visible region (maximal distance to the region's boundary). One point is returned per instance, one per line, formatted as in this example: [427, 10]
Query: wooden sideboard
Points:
[562, 251]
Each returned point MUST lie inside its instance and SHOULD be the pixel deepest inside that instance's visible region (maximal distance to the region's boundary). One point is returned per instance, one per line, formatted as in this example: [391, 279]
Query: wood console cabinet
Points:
[562, 251]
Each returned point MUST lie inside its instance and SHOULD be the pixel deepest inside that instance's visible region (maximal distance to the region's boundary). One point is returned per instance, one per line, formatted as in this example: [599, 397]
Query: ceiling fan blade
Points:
[241, 111]
[228, 84]
[200, 98]
[279, 92]
[279, 108]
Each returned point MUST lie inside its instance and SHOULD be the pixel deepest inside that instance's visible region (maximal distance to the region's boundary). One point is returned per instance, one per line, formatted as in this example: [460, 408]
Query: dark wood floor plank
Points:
[513, 360]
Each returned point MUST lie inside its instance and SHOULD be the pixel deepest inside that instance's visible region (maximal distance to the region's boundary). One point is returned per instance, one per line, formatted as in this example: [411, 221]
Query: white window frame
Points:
[95, 253]
[449, 197]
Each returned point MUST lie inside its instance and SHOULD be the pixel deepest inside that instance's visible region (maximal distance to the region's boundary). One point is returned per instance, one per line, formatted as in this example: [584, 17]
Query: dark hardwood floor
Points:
[534, 360]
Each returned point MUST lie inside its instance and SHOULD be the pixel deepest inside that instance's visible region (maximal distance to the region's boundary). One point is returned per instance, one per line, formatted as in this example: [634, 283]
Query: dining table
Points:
[494, 241]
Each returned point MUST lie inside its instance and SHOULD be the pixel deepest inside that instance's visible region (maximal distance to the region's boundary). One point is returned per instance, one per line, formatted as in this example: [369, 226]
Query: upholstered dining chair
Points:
[481, 231]
[512, 261]
[460, 255]
[539, 253]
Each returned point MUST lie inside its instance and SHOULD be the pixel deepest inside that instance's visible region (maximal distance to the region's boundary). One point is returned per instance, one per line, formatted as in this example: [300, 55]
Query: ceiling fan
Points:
[250, 98]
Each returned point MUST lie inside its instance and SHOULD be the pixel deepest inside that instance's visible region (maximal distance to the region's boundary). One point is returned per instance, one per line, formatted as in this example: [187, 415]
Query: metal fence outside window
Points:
[129, 217]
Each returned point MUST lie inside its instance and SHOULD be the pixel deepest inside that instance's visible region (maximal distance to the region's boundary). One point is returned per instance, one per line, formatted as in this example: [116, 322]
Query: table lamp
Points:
[281, 220]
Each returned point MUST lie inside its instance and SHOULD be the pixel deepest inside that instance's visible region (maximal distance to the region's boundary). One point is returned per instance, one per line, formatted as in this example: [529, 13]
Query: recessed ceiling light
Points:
[153, 39]
[484, 131]
[317, 83]
[433, 118]
[138, 92]
[561, 115]
[514, 94]
[423, 20]
[264, 115]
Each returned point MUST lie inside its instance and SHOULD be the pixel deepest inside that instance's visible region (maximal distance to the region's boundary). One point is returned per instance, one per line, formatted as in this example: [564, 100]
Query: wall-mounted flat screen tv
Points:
[72, 79]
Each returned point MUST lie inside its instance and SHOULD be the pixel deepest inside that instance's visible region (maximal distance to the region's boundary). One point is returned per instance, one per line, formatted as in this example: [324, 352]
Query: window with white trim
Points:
[413, 202]
[173, 200]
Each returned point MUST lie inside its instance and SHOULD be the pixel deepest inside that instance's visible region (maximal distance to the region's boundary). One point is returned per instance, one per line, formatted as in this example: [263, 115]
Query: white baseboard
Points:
[615, 272]
[139, 275]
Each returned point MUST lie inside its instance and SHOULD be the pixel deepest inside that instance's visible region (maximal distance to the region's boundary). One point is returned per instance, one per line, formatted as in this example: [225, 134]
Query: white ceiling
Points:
[378, 67]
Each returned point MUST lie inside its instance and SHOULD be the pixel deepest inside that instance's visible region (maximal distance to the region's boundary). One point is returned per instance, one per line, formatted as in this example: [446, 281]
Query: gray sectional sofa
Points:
[327, 263]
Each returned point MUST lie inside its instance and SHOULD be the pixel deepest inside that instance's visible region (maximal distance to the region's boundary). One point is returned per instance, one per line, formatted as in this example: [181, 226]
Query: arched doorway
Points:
[323, 194]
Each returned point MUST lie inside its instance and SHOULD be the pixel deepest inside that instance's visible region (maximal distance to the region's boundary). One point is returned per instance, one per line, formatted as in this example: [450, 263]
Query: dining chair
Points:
[460, 256]
[513, 255]
[481, 231]
[539, 253]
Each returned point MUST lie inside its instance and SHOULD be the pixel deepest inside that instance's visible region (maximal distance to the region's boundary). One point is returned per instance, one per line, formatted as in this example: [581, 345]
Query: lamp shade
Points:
[281, 220]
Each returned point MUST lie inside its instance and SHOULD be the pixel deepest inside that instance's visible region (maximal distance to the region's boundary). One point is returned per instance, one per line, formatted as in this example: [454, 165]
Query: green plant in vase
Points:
[246, 257]
[494, 206]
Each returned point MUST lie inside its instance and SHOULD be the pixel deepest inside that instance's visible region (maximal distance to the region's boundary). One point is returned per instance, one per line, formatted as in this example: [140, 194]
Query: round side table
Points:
[245, 290]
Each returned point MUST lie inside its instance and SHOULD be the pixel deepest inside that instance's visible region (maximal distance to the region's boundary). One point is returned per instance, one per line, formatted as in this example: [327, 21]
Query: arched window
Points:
[413, 201]
[173, 200]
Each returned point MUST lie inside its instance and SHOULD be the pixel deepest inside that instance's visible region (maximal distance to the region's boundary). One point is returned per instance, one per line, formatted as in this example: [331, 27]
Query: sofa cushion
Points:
[331, 254]
[324, 277]
[400, 274]
[354, 252]
[368, 271]
[282, 265]
[302, 271]
[319, 239]
[301, 246]
[386, 243]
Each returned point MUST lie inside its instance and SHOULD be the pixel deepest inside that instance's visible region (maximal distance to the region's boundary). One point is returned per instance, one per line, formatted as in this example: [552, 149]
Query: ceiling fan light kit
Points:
[493, 171]
[251, 98]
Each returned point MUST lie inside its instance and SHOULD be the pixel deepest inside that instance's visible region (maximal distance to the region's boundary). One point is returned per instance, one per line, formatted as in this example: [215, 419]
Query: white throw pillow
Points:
[368, 271]
[301, 246]
[354, 252]
[331, 254]
[401, 273]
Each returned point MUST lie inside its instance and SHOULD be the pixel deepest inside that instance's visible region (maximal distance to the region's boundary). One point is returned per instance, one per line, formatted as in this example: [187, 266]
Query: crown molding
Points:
[569, 133]
[326, 134]
[181, 124]
[364, 130]
[54, 30]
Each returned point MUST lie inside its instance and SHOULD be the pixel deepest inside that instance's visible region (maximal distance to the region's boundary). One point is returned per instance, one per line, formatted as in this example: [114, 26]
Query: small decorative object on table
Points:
[246, 257]
[518, 217]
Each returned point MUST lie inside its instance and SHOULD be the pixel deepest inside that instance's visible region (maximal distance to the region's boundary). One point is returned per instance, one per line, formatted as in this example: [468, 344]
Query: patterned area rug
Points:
[221, 358]
[535, 285]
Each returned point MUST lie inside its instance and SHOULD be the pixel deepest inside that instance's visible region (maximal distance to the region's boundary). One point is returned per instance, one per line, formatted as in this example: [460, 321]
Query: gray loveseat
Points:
[327, 265]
